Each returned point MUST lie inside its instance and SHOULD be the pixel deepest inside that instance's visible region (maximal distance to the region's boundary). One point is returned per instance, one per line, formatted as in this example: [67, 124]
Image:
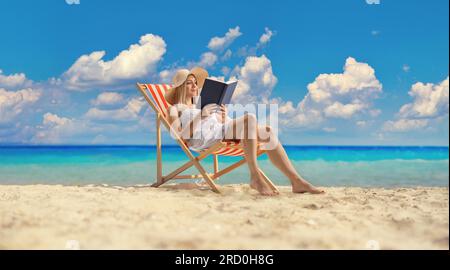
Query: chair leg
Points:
[206, 176]
[159, 179]
[233, 166]
[216, 163]
[267, 180]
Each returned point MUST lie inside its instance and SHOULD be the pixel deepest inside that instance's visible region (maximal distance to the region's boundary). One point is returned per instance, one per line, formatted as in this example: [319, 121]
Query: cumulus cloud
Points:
[256, 80]
[137, 61]
[12, 103]
[129, 112]
[343, 95]
[339, 110]
[300, 115]
[358, 82]
[108, 98]
[55, 128]
[207, 59]
[221, 43]
[95, 126]
[430, 104]
[430, 100]
[54, 120]
[14, 81]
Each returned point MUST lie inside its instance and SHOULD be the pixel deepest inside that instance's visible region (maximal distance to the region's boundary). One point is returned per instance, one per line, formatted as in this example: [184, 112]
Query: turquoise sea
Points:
[364, 166]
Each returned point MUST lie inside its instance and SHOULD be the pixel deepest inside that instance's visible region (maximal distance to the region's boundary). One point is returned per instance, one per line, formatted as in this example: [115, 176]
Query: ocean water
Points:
[367, 166]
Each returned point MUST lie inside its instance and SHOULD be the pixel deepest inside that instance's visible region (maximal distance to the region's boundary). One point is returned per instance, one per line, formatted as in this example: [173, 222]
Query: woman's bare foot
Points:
[303, 186]
[257, 183]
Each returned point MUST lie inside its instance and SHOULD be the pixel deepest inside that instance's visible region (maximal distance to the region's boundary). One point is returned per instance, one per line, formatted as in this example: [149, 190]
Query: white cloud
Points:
[286, 107]
[430, 100]
[358, 82]
[12, 103]
[226, 55]
[220, 43]
[361, 123]
[14, 81]
[403, 125]
[265, 38]
[51, 119]
[256, 80]
[108, 98]
[207, 59]
[252, 50]
[299, 116]
[106, 126]
[138, 61]
[406, 68]
[247, 51]
[225, 70]
[166, 75]
[373, 2]
[128, 113]
[55, 129]
[430, 105]
[343, 95]
[339, 110]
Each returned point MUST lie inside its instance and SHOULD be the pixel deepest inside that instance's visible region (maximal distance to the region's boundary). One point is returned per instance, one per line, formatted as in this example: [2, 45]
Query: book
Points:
[216, 92]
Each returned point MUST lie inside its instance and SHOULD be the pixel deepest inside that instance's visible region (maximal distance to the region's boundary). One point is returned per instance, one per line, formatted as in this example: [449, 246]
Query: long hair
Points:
[180, 92]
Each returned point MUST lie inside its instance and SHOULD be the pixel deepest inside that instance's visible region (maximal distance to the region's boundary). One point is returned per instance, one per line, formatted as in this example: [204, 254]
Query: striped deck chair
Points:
[154, 94]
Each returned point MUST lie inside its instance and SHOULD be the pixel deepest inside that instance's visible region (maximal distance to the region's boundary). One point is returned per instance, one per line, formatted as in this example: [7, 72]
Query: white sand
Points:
[102, 217]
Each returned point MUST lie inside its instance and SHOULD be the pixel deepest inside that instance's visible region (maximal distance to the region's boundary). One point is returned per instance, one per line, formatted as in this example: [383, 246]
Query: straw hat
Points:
[181, 76]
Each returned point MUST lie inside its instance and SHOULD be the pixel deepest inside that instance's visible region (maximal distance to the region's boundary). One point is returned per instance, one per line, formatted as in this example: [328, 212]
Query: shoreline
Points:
[185, 217]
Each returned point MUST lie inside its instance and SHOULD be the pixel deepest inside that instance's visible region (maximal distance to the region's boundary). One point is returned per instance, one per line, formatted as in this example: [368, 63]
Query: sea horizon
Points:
[176, 145]
[324, 165]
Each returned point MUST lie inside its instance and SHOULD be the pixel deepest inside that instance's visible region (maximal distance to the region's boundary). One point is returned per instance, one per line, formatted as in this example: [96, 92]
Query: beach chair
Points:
[154, 94]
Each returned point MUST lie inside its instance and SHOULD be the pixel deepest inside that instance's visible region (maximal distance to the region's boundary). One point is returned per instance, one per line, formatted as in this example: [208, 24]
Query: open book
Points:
[217, 92]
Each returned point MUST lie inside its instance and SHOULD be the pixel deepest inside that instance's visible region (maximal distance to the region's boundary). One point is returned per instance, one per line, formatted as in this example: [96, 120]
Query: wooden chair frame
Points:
[193, 160]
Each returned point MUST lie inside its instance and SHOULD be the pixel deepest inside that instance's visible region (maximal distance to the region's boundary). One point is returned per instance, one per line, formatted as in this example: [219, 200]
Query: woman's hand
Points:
[224, 112]
[209, 110]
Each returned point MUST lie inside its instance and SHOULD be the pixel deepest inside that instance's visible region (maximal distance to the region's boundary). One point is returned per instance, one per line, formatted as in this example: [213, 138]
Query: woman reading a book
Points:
[203, 128]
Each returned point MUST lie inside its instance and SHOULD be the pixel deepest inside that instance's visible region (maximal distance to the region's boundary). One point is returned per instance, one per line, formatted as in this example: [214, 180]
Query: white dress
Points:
[207, 133]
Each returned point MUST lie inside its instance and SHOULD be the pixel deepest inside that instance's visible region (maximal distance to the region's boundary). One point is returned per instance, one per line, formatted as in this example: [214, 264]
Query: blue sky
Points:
[48, 97]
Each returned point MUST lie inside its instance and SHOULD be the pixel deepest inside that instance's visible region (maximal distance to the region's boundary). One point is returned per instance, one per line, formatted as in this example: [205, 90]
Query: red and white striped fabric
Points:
[230, 151]
[157, 93]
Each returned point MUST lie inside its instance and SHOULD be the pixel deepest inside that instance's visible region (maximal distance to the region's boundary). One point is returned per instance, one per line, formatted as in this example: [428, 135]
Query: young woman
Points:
[203, 128]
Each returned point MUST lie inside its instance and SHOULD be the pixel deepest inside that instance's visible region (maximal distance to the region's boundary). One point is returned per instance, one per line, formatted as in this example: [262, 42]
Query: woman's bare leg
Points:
[244, 128]
[280, 159]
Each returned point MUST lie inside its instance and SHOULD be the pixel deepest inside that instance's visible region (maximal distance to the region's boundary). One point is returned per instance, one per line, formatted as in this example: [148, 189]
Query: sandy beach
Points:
[179, 217]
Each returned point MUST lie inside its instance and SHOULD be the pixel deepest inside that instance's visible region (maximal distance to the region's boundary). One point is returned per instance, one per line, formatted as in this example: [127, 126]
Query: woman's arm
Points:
[186, 132]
